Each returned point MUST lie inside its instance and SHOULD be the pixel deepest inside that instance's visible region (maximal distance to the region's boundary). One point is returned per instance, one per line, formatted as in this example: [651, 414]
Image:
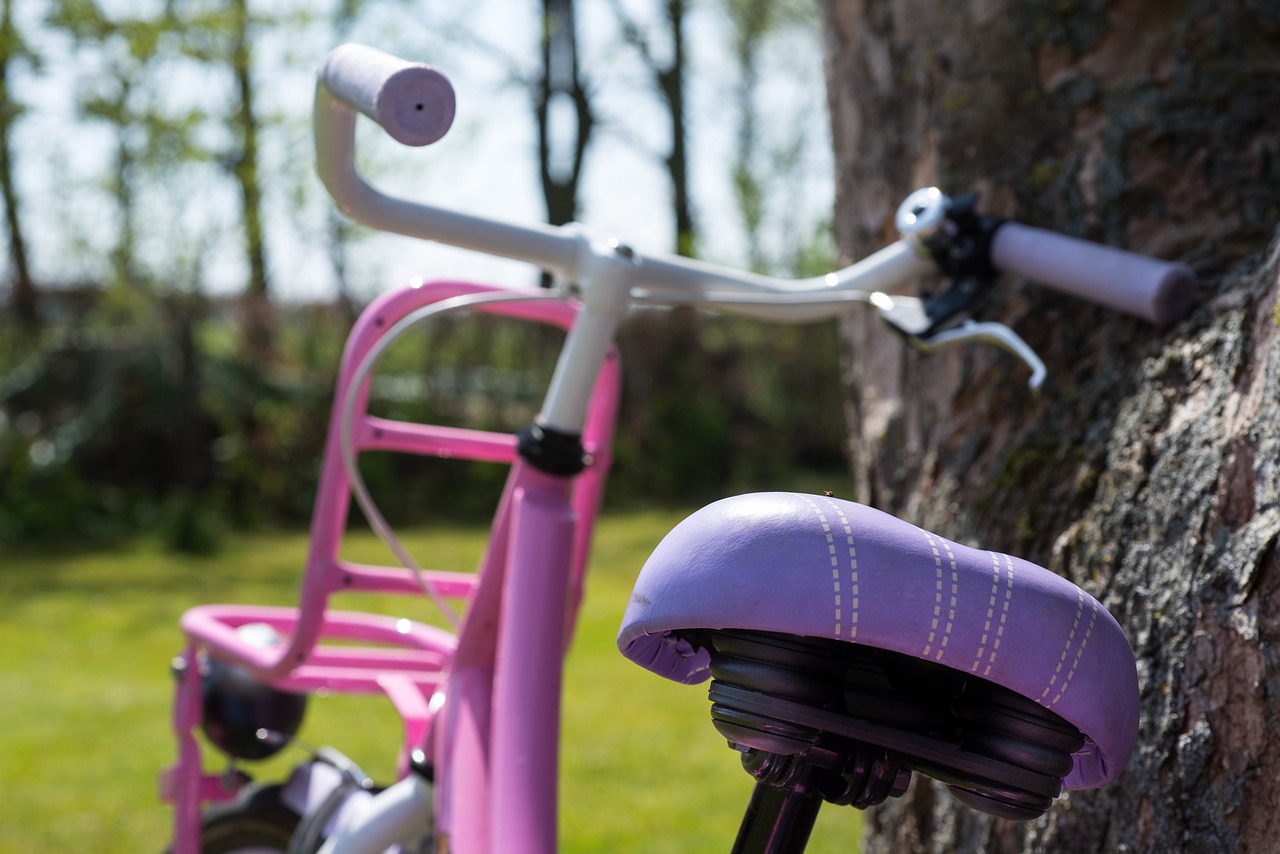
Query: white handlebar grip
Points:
[1157, 291]
[413, 102]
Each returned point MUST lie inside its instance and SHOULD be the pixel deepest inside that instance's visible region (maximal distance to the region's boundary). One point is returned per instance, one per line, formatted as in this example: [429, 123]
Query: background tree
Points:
[770, 145]
[669, 72]
[751, 22]
[1147, 470]
[244, 164]
[14, 49]
[338, 229]
[561, 93]
[117, 89]
[160, 415]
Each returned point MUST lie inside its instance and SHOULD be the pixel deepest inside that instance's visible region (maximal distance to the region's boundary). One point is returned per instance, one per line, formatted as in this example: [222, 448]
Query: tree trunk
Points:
[123, 185]
[751, 23]
[258, 321]
[671, 81]
[1147, 470]
[24, 300]
[560, 164]
[669, 76]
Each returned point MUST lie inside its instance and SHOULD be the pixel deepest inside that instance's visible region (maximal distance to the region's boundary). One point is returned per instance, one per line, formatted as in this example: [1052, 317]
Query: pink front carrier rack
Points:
[369, 653]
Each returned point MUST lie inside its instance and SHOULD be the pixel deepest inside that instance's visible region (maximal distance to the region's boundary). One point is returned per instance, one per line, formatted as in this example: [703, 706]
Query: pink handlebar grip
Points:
[413, 102]
[1160, 292]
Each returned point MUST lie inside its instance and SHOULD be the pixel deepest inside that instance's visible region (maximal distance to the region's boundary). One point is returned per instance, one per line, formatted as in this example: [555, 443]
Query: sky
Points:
[486, 165]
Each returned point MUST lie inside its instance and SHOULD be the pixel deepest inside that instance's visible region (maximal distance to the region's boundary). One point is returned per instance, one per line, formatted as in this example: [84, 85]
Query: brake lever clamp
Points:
[909, 316]
[958, 239]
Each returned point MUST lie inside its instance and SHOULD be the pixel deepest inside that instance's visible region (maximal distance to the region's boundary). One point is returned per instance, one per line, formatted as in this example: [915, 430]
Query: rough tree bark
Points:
[1149, 469]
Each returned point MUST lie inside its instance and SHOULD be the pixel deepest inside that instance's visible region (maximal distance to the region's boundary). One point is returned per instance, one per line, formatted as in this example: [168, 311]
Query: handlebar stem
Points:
[606, 273]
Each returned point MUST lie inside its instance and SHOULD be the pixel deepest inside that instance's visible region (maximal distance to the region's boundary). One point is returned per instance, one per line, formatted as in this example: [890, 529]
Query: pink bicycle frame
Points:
[484, 706]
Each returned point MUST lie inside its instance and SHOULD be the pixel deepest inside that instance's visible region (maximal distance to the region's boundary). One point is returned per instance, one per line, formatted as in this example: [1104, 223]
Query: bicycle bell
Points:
[243, 717]
[922, 215]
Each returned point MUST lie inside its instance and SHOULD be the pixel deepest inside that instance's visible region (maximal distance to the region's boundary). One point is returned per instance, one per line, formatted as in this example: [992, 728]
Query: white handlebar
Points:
[415, 104]
[355, 78]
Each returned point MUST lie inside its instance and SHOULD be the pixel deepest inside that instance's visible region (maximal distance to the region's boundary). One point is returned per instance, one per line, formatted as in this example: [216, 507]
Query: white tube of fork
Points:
[400, 814]
[607, 272]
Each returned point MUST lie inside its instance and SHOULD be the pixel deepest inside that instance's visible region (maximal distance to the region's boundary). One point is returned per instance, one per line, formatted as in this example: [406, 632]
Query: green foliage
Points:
[155, 422]
[13, 47]
[716, 403]
[148, 417]
[132, 428]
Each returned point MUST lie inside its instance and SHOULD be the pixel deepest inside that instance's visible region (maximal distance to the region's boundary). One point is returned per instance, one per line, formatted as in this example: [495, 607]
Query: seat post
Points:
[777, 820]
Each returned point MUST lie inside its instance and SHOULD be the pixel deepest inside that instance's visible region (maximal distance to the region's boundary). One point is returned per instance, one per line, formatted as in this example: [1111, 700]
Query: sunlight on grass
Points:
[85, 645]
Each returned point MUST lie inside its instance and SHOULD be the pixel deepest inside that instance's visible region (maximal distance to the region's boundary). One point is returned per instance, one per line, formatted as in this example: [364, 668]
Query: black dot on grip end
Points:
[416, 105]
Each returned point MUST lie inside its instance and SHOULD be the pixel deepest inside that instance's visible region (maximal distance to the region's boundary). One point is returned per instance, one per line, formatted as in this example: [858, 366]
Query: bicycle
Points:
[847, 649]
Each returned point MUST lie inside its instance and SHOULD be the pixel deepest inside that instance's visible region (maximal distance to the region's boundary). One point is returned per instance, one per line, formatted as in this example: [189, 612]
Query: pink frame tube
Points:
[527, 682]
[518, 621]
[496, 748]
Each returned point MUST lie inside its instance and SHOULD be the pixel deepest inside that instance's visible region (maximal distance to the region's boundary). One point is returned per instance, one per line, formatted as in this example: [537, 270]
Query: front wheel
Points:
[256, 822]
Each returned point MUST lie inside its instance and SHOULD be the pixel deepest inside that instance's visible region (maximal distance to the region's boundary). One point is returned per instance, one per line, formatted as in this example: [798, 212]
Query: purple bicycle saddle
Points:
[821, 567]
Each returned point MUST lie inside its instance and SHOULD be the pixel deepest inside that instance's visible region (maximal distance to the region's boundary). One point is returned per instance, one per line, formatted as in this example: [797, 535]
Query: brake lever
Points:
[909, 317]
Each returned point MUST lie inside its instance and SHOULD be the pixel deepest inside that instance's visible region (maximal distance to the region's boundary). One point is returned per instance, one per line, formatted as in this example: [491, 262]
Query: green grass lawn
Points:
[85, 645]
